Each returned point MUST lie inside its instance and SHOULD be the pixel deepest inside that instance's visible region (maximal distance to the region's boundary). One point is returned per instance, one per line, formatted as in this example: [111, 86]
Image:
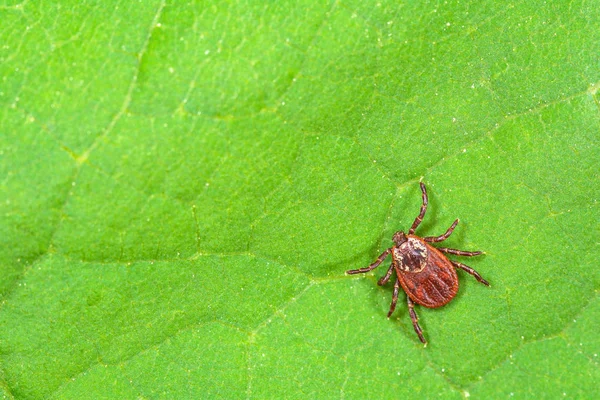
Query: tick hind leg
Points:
[415, 319]
[379, 260]
[441, 238]
[422, 213]
[470, 271]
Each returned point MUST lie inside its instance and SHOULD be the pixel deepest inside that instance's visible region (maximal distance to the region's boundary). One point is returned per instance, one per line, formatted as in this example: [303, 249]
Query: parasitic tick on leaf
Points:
[425, 274]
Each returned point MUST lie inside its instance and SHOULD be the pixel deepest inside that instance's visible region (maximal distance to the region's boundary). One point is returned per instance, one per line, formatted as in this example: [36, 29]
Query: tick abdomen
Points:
[433, 286]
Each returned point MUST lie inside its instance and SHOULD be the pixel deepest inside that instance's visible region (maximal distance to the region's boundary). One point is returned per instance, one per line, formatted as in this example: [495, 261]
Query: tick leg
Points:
[470, 271]
[441, 238]
[371, 267]
[394, 298]
[422, 213]
[386, 278]
[459, 252]
[415, 319]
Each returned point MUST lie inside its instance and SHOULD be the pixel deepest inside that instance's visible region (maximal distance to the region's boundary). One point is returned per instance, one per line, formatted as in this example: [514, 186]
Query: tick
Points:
[424, 272]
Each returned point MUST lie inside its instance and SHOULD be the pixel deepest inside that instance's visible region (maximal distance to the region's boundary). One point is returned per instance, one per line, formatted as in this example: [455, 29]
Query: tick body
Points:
[424, 272]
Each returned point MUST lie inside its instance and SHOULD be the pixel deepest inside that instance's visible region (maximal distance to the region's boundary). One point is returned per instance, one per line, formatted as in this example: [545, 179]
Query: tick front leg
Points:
[394, 298]
[441, 238]
[470, 271]
[422, 213]
[459, 252]
[386, 278]
[415, 319]
[371, 267]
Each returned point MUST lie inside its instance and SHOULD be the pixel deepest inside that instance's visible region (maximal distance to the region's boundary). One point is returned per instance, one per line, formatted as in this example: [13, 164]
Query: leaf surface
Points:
[183, 186]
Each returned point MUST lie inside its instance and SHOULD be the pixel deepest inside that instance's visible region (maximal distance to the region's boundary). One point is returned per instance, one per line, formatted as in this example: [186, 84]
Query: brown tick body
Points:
[425, 274]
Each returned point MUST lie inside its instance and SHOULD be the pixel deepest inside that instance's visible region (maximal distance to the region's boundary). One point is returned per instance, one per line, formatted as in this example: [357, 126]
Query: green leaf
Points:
[182, 187]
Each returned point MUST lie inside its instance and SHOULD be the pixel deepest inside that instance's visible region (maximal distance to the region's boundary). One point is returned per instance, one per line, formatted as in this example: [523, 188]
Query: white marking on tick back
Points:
[418, 245]
[410, 246]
